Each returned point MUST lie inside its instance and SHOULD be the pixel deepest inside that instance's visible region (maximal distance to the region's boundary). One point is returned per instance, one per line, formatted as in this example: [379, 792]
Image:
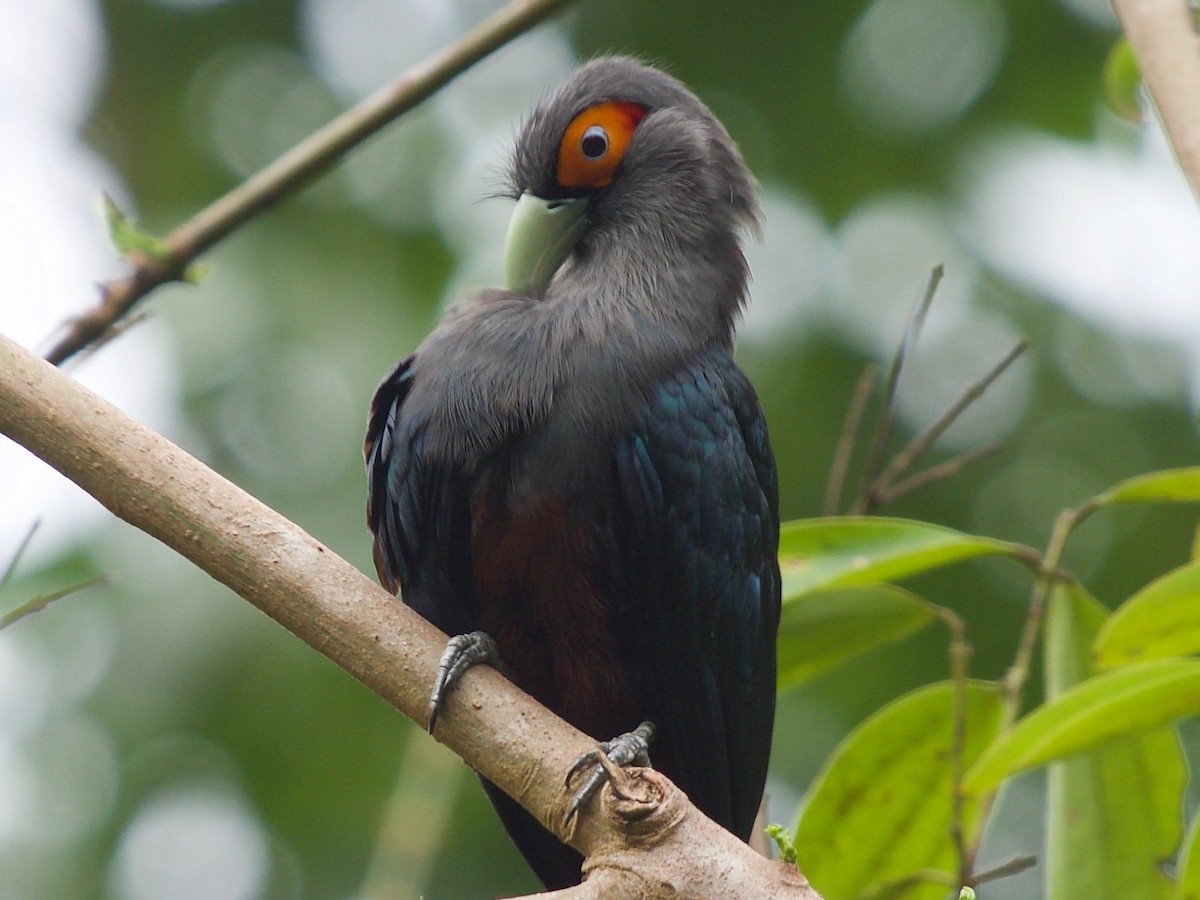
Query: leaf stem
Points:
[1015, 679]
[960, 655]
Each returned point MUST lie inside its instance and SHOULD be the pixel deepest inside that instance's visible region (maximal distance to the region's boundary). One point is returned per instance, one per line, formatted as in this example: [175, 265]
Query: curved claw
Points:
[631, 748]
[462, 652]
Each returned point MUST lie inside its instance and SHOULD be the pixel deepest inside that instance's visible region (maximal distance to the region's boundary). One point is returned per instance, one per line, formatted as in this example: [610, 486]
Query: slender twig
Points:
[845, 445]
[1018, 674]
[1165, 41]
[883, 428]
[898, 887]
[291, 171]
[920, 445]
[18, 555]
[40, 602]
[1013, 866]
[940, 472]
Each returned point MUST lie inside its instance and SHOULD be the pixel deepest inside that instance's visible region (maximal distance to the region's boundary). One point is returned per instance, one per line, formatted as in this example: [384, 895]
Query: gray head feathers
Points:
[686, 133]
[657, 277]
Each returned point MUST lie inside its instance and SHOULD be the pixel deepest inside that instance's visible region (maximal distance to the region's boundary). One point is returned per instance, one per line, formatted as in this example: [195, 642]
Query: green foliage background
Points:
[281, 346]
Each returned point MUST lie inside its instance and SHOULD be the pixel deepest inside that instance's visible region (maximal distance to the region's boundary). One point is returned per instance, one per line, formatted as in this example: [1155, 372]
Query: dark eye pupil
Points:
[594, 143]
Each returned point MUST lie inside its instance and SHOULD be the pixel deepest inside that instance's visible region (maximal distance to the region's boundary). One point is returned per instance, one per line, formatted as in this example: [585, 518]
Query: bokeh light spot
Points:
[359, 45]
[912, 65]
[76, 763]
[251, 103]
[791, 267]
[889, 246]
[196, 842]
[285, 421]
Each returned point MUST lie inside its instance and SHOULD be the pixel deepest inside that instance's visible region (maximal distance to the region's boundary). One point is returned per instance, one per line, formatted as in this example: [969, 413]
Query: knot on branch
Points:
[638, 807]
[643, 806]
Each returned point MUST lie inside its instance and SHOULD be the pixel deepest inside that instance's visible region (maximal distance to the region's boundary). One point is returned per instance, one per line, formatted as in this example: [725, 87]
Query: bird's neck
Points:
[693, 288]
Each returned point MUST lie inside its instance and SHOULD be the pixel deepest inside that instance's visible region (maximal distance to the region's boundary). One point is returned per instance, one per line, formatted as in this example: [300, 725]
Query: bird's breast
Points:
[537, 591]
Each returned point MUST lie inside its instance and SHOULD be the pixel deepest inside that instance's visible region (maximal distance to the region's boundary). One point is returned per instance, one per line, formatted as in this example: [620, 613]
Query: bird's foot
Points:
[631, 748]
[462, 651]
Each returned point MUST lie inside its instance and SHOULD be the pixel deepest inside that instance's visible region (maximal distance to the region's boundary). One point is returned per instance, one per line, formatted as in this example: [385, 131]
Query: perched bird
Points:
[573, 472]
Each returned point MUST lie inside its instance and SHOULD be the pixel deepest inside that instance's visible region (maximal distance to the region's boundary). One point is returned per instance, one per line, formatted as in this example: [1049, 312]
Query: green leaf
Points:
[1123, 82]
[880, 811]
[1162, 619]
[1167, 486]
[823, 629]
[1118, 703]
[818, 553]
[1188, 886]
[1113, 813]
[126, 236]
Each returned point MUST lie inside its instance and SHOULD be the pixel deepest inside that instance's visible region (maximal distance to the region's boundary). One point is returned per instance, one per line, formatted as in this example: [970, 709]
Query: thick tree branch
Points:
[1166, 42]
[644, 839]
[293, 170]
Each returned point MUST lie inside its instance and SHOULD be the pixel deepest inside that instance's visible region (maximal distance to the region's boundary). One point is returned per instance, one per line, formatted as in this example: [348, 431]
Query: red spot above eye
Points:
[594, 143]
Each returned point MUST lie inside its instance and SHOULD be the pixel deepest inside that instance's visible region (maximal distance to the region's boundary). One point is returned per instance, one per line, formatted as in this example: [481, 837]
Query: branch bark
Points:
[641, 837]
[296, 168]
[1166, 42]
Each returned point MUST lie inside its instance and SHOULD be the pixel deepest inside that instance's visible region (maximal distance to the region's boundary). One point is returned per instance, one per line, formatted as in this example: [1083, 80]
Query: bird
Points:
[572, 476]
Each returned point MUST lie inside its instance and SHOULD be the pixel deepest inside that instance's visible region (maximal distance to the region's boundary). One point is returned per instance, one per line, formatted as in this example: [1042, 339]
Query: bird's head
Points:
[623, 166]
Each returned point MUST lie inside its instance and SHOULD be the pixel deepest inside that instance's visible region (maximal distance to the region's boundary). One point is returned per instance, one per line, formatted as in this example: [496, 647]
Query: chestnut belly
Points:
[536, 594]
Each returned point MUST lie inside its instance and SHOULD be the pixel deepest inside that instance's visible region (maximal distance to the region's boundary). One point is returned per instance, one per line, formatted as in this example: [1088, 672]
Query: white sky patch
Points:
[1111, 232]
[51, 62]
[53, 249]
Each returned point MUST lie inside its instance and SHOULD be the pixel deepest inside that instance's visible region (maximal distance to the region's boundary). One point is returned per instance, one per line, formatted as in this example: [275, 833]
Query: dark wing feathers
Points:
[696, 580]
[388, 465]
[417, 512]
[700, 504]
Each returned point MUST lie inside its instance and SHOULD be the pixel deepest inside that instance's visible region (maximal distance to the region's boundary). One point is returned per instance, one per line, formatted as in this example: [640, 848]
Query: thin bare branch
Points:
[941, 472]
[883, 429]
[1012, 866]
[293, 170]
[920, 445]
[849, 436]
[18, 555]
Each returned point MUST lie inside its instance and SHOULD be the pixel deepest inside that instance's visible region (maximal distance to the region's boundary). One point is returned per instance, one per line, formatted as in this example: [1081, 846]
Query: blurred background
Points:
[159, 738]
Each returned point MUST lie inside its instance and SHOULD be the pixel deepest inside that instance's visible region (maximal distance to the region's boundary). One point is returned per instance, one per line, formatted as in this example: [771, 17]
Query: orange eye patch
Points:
[594, 143]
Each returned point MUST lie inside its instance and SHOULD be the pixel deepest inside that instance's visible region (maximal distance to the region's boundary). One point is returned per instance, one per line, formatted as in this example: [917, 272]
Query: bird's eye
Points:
[594, 142]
